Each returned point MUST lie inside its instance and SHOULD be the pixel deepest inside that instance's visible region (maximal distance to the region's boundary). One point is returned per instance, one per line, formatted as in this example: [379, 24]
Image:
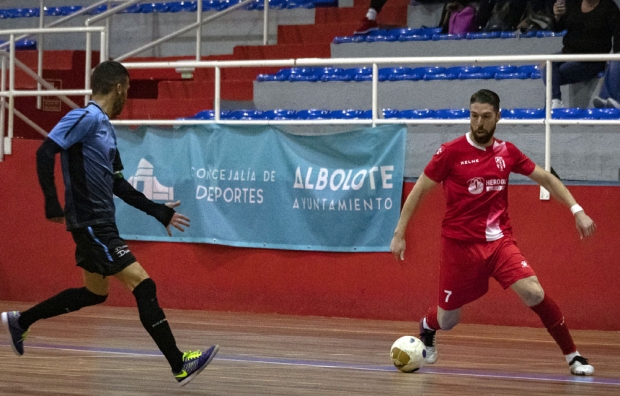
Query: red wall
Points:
[36, 261]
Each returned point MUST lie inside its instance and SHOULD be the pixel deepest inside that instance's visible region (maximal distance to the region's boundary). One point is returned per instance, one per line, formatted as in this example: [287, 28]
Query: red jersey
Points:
[475, 183]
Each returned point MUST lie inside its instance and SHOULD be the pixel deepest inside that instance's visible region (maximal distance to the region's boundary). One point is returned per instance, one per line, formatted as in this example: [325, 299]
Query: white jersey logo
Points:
[499, 161]
[475, 185]
[145, 182]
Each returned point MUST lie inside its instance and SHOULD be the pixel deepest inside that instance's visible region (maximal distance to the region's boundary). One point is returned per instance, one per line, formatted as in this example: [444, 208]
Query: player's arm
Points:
[46, 158]
[164, 213]
[420, 189]
[557, 189]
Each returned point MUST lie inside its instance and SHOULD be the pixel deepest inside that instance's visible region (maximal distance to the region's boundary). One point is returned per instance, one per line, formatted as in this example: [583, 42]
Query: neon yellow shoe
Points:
[17, 334]
[193, 363]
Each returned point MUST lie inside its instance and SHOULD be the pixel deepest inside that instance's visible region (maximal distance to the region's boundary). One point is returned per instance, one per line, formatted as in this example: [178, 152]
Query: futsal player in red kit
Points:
[477, 241]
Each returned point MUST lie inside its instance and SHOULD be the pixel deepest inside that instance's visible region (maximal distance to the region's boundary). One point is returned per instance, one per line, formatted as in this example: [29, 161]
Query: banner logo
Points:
[145, 182]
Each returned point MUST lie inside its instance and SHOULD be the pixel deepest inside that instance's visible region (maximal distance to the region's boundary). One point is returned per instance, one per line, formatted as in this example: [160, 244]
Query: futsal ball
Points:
[408, 354]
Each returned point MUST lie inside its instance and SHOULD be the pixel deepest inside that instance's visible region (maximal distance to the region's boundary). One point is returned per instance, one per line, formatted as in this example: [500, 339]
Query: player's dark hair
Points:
[107, 75]
[485, 96]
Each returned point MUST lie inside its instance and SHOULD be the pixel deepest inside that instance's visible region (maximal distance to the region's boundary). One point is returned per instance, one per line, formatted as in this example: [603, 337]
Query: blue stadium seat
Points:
[416, 114]
[475, 75]
[23, 44]
[279, 114]
[306, 74]
[443, 36]
[343, 75]
[182, 6]
[389, 113]
[507, 35]
[500, 69]
[429, 70]
[601, 114]
[546, 33]
[567, 114]
[463, 69]
[312, 114]
[201, 115]
[440, 76]
[349, 39]
[381, 38]
[414, 37]
[482, 35]
[512, 76]
[522, 114]
[350, 114]
[528, 69]
[450, 114]
[362, 74]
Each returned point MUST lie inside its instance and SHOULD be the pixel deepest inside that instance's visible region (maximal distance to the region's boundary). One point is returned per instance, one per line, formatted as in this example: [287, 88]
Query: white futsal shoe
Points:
[428, 338]
[580, 366]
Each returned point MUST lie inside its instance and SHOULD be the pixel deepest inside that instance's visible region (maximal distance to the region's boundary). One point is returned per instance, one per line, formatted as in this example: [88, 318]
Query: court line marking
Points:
[350, 366]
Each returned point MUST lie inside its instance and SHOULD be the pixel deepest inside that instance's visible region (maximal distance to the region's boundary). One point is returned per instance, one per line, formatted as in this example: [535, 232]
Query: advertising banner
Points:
[258, 186]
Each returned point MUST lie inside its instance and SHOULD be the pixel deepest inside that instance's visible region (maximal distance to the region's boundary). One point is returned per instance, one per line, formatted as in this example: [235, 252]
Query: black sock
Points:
[155, 323]
[69, 300]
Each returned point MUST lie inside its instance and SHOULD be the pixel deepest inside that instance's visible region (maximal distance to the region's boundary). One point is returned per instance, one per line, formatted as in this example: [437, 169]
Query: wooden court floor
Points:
[105, 351]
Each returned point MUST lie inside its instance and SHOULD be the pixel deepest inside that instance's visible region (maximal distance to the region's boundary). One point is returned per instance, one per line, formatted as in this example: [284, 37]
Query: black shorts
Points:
[99, 249]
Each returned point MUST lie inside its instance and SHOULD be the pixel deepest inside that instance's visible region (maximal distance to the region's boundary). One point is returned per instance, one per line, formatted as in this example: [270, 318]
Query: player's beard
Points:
[117, 106]
[482, 136]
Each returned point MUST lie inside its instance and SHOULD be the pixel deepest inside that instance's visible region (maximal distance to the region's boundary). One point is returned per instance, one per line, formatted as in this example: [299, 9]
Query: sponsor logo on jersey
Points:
[476, 185]
[467, 162]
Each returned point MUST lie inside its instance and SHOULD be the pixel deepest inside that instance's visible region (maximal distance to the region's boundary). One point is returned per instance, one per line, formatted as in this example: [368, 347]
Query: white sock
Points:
[425, 325]
[571, 356]
[372, 14]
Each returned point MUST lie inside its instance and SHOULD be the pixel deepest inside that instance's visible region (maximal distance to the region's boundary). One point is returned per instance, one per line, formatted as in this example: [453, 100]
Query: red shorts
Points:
[465, 269]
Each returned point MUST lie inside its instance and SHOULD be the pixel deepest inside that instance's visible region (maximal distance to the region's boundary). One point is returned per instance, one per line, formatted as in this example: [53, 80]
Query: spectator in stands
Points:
[610, 91]
[590, 27]
[369, 22]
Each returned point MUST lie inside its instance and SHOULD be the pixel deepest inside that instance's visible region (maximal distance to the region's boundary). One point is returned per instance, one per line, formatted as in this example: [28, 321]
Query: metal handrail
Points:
[181, 31]
[5, 143]
[40, 45]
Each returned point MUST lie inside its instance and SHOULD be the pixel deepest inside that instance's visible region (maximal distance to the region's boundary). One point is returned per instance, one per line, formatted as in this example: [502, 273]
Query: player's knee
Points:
[448, 322]
[146, 290]
[89, 298]
[532, 294]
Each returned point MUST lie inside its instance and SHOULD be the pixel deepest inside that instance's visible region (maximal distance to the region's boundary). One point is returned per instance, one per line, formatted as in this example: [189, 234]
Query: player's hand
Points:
[57, 220]
[178, 221]
[585, 225]
[397, 247]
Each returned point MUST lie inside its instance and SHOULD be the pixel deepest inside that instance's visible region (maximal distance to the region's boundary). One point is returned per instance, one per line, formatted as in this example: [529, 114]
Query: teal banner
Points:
[258, 186]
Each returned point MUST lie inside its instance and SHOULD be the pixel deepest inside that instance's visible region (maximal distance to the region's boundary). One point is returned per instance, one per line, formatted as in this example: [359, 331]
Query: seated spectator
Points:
[590, 27]
[610, 91]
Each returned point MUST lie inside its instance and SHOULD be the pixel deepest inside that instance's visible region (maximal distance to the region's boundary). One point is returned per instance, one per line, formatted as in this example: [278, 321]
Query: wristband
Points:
[576, 208]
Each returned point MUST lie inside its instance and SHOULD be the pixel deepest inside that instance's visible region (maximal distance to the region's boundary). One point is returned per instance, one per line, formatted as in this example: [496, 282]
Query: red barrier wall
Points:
[36, 261]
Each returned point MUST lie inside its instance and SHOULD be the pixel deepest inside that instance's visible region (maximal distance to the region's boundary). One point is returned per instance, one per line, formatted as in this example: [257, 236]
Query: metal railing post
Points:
[544, 194]
[88, 64]
[7, 140]
[216, 98]
[265, 22]
[2, 105]
[40, 38]
[199, 30]
[107, 29]
[103, 52]
[375, 87]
